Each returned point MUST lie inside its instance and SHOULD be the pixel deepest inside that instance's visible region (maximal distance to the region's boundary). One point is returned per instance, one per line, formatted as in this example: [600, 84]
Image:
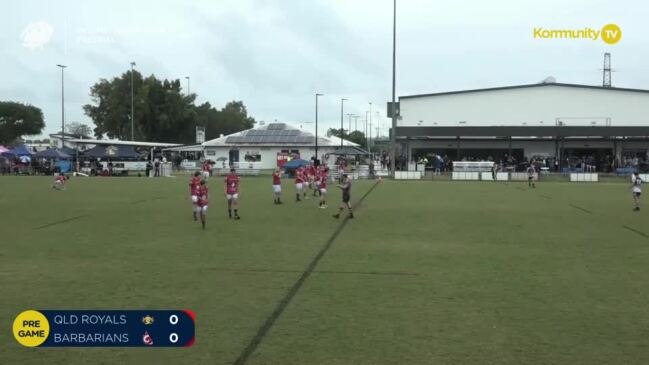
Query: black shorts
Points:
[530, 177]
[635, 193]
[346, 198]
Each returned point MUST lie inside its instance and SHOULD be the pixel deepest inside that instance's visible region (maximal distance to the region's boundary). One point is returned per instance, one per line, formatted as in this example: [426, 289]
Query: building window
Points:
[252, 156]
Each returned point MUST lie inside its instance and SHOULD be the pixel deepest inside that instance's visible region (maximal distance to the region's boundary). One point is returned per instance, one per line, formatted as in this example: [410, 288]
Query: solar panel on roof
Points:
[235, 139]
[276, 126]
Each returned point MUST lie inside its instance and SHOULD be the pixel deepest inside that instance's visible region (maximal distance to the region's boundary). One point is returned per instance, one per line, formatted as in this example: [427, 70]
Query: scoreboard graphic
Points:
[126, 328]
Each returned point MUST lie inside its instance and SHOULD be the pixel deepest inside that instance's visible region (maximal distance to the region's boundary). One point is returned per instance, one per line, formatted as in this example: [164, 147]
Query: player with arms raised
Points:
[232, 193]
[194, 186]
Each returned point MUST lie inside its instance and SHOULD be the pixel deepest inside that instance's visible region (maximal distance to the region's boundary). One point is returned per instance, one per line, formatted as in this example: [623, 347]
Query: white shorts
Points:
[194, 199]
[206, 175]
[277, 189]
[299, 186]
[323, 191]
[201, 209]
[232, 196]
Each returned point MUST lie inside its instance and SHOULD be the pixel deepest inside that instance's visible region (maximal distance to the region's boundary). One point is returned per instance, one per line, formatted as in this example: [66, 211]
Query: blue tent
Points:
[70, 151]
[53, 154]
[294, 164]
[19, 151]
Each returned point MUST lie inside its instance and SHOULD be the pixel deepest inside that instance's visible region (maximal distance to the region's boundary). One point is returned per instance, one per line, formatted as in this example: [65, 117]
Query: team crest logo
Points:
[147, 339]
[147, 320]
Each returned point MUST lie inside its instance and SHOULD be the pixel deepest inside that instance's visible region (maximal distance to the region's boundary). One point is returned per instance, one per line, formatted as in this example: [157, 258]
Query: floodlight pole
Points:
[350, 121]
[132, 105]
[63, 67]
[316, 126]
[393, 137]
[188, 89]
[369, 144]
[342, 130]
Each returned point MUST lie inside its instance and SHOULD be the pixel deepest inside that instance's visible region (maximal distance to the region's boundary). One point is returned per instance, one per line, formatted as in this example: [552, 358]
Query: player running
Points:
[59, 182]
[530, 176]
[194, 186]
[636, 189]
[277, 187]
[232, 193]
[346, 187]
[299, 184]
[322, 188]
[201, 204]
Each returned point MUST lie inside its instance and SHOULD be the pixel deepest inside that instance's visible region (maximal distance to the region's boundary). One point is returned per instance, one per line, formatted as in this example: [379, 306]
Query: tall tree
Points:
[355, 136]
[17, 120]
[79, 129]
[163, 112]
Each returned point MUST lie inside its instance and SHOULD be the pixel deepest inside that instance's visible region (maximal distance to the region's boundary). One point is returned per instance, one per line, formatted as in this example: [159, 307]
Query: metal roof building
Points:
[266, 145]
[547, 119]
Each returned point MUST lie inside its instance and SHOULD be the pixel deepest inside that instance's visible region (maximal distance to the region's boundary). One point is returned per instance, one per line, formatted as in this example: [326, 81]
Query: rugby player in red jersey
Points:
[59, 182]
[313, 178]
[277, 187]
[299, 184]
[232, 193]
[322, 187]
[201, 204]
[317, 175]
[194, 186]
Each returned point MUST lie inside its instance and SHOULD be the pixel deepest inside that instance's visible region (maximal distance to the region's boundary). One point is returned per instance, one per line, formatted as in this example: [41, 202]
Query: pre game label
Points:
[157, 328]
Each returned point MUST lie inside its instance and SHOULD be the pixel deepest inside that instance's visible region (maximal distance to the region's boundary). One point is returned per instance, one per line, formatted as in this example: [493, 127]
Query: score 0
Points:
[173, 337]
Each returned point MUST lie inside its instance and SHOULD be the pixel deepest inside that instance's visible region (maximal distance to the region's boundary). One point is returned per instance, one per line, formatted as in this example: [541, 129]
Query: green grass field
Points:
[427, 273]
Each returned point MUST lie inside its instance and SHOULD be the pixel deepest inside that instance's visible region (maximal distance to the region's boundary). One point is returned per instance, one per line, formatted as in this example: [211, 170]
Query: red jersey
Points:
[311, 171]
[60, 178]
[194, 185]
[232, 184]
[207, 167]
[323, 181]
[202, 196]
[299, 178]
[277, 180]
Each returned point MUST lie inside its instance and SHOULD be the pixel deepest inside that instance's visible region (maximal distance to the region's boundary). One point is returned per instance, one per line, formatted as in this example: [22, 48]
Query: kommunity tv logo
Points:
[610, 33]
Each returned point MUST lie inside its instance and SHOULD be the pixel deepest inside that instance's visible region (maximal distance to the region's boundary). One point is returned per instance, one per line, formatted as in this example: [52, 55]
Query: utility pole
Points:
[393, 137]
[342, 130]
[63, 67]
[132, 106]
[350, 121]
[316, 127]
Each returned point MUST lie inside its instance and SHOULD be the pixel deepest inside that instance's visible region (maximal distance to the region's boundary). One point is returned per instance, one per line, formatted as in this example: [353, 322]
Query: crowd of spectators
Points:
[580, 163]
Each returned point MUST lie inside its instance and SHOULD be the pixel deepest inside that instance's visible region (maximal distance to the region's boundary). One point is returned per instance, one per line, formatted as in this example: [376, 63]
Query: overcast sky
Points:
[275, 54]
